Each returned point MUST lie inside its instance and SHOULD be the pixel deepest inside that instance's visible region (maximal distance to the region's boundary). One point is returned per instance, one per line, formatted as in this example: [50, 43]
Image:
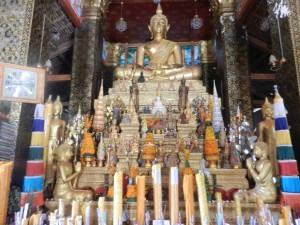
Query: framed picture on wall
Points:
[21, 83]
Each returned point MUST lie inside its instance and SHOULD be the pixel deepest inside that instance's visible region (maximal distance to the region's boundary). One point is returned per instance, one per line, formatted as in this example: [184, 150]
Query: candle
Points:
[101, 202]
[61, 208]
[78, 220]
[238, 210]
[281, 221]
[101, 215]
[287, 215]
[220, 215]
[188, 192]
[140, 205]
[118, 197]
[5, 175]
[156, 175]
[202, 199]
[75, 208]
[174, 196]
[87, 214]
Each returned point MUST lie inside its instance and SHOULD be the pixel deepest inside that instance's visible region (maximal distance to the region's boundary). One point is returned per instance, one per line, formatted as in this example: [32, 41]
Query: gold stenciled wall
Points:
[235, 67]
[86, 70]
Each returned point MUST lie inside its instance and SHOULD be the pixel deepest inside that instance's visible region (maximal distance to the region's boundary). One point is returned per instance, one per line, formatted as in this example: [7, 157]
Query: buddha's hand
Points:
[78, 167]
[249, 163]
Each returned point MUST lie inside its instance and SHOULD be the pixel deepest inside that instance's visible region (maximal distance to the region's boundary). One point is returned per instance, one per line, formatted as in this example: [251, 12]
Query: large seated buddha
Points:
[164, 55]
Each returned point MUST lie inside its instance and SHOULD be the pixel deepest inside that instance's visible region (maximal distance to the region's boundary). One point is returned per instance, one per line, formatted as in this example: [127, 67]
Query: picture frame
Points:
[21, 83]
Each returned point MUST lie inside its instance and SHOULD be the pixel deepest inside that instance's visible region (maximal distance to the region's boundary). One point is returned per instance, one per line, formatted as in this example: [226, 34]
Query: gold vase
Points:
[148, 158]
[88, 160]
[212, 160]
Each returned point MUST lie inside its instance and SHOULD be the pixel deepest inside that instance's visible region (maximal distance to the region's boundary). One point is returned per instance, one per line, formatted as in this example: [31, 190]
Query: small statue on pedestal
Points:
[172, 159]
[170, 122]
[134, 146]
[183, 95]
[134, 95]
[114, 129]
[158, 107]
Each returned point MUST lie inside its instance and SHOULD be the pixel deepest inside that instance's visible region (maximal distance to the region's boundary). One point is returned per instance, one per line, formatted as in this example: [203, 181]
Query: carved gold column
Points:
[288, 77]
[237, 84]
[87, 56]
[207, 64]
[15, 27]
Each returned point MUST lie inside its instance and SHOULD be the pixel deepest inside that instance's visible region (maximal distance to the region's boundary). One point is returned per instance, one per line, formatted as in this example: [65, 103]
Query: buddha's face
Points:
[159, 25]
[68, 154]
[258, 152]
[268, 112]
[56, 110]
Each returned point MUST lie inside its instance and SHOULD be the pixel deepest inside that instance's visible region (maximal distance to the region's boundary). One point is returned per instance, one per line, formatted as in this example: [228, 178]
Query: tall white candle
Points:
[75, 209]
[202, 199]
[118, 197]
[174, 196]
[87, 215]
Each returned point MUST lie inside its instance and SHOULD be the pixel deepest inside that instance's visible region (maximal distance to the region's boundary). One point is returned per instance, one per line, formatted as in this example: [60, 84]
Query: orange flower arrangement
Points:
[133, 171]
[87, 144]
[188, 170]
[110, 192]
[131, 191]
[211, 146]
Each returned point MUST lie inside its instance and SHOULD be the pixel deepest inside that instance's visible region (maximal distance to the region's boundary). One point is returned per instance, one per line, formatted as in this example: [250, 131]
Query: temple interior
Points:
[149, 112]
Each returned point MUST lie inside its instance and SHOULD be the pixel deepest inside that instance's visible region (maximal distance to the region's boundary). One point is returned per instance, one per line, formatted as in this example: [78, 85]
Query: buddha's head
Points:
[267, 109]
[159, 23]
[57, 106]
[261, 150]
[64, 152]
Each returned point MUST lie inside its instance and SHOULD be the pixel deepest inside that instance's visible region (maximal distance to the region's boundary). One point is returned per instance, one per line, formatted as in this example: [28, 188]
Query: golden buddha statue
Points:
[57, 131]
[267, 133]
[65, 176]
[164, 55]
[261, 172]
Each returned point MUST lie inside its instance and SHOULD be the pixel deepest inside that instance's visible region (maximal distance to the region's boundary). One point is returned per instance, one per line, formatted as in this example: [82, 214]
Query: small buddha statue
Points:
[183, 95]
[158, 107]
[134, 94]
[171, 121]
[57, 131]
[165, 58]
[134, 146]
[261, 172]
[114, 129]
[64, 189]
[267, 133]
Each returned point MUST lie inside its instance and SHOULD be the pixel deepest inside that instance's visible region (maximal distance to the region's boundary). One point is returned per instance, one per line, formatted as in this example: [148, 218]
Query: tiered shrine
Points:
[155, 134]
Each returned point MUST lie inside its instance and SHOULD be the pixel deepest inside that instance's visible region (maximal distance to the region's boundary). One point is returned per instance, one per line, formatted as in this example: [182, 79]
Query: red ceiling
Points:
[137, 14]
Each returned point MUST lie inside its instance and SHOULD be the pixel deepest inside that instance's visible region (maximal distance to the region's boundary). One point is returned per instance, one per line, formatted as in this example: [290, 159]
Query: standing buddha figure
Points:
[164, 55]
[57, 130]
[267, 134]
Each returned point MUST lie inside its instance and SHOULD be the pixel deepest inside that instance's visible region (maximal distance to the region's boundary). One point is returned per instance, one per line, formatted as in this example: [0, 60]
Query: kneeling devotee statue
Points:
[164, 55]
[261, 172]
[64, 189]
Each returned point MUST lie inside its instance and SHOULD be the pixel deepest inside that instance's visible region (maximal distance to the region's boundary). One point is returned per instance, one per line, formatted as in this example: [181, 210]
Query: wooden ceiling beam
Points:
[58, 77]
[260, 44]
[150, 1]
[245, 8]
[263, 76]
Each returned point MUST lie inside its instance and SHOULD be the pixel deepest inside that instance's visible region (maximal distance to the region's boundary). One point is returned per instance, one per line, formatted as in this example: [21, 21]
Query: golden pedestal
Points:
[184, 130]
[129, 130]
